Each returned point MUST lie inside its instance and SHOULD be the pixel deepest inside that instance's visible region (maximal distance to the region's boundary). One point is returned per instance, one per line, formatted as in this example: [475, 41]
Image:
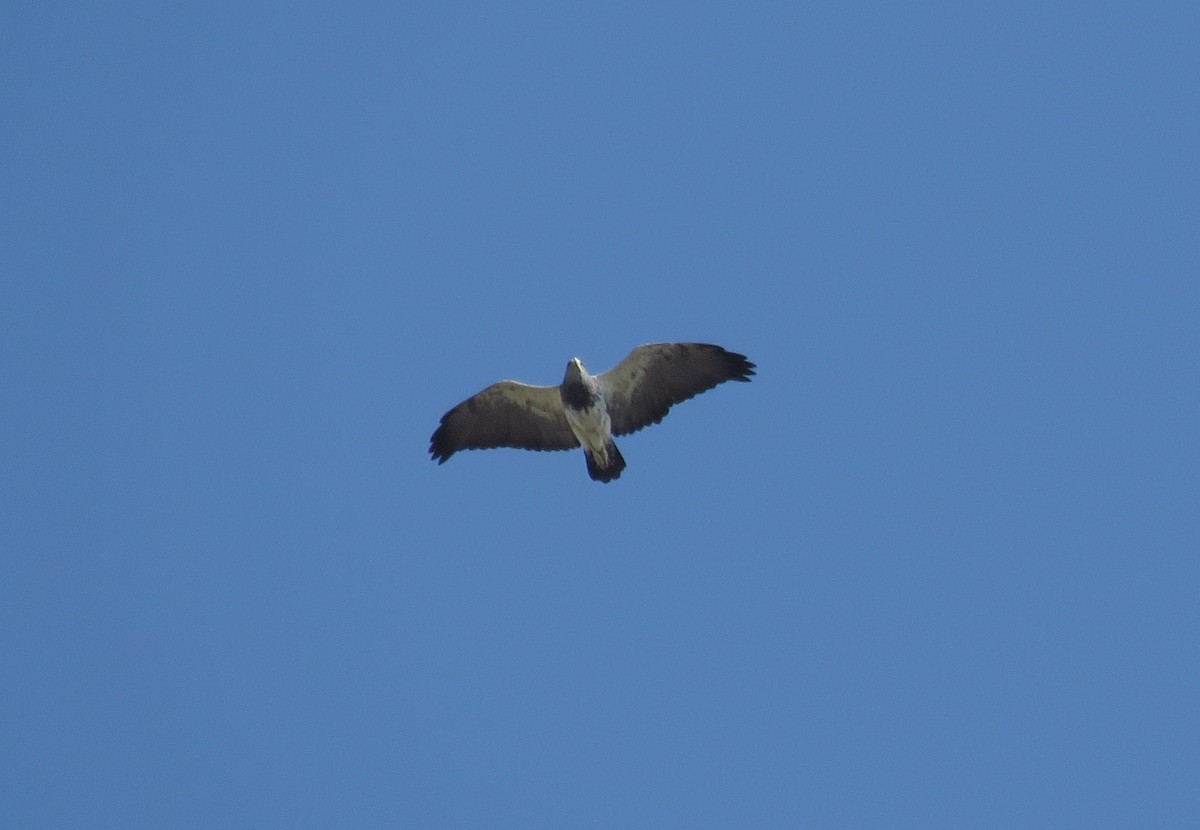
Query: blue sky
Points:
[935, 566]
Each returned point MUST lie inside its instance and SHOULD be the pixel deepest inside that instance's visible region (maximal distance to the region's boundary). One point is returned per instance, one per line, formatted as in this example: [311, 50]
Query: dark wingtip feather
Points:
[736, 366]
[439, 443]
[742, 369]
[438, 451]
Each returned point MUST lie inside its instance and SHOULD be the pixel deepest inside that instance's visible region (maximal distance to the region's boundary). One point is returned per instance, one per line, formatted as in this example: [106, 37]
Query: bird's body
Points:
[588, 410]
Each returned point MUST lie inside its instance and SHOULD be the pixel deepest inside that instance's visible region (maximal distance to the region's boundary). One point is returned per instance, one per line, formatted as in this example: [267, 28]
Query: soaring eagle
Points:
[588, 410]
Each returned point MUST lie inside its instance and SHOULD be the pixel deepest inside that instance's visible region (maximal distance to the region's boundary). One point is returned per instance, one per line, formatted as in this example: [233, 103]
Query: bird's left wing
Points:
[643, 387]
[506, 414]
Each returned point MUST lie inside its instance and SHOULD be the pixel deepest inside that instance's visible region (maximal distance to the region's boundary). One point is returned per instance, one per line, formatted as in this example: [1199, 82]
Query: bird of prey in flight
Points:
[588, 410]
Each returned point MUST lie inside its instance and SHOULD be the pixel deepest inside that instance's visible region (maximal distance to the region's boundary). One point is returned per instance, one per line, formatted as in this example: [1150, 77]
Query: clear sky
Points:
[935, 567]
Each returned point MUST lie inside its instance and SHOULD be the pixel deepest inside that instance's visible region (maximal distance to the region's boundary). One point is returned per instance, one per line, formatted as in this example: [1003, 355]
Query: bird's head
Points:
[575, 371]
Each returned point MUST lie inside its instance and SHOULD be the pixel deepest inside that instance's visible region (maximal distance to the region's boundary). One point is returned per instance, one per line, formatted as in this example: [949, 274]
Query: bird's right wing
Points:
[506, 414]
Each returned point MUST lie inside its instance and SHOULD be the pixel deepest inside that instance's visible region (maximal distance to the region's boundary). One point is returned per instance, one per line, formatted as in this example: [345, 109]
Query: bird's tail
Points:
[605, 466]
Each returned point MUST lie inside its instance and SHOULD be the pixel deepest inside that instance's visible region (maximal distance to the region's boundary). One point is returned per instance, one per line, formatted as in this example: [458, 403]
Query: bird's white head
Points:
[575, 370]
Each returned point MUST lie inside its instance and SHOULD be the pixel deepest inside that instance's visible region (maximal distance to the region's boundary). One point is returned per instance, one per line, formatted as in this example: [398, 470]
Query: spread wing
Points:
[643, 387]
[506, 414]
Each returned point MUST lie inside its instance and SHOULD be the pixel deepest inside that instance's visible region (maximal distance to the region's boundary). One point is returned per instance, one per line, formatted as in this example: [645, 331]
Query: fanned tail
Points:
[605, 469]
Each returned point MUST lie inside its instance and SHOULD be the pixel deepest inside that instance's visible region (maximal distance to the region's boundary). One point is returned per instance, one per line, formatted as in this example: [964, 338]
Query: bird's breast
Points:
[591, 424]
[577, 396]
